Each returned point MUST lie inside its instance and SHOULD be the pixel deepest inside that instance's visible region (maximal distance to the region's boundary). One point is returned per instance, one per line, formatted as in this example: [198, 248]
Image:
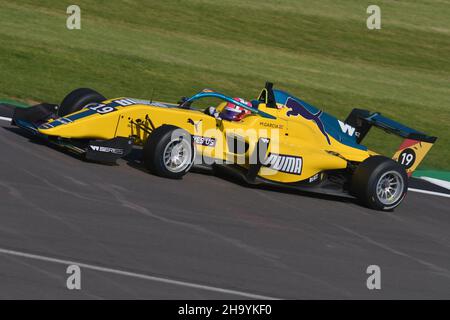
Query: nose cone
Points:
[58, 127]
[84, 124]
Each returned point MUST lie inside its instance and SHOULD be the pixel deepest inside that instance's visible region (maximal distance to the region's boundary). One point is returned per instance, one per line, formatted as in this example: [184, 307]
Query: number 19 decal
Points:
[110, 107]
[101, 108]
[407, 158]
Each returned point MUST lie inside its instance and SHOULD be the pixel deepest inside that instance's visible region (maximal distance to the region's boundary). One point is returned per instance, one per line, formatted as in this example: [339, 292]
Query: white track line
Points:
[430, 192]
[136, 275]
[5, 119]
[438, 182]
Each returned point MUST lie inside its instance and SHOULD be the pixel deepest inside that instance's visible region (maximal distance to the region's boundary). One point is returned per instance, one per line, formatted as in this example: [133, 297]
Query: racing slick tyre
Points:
[169, 152]
[380, 183]
[77, 100]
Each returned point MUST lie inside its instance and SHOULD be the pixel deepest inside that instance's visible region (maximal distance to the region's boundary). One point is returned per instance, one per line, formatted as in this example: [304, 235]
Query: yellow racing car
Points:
[276, 139]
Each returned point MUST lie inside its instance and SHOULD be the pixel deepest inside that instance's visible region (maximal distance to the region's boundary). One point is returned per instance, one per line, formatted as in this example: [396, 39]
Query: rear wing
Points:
[412, 150]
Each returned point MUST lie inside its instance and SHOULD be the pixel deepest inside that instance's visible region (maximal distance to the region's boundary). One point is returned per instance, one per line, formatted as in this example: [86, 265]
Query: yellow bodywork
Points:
[297, 137]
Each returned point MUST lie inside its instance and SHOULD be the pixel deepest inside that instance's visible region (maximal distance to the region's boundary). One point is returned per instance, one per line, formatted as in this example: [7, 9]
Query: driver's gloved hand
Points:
[212, 112]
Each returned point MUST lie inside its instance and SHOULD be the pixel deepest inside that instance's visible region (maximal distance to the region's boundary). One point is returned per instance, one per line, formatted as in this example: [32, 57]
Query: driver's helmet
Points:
[234, 112]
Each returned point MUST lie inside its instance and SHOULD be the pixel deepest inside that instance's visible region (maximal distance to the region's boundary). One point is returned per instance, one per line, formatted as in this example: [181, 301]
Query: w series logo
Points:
[107, 149]
[284, 163]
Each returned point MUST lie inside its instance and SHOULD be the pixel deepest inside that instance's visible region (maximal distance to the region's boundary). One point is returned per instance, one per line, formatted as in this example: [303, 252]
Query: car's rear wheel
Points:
[380, 183]
[77, 100]
[169, 152]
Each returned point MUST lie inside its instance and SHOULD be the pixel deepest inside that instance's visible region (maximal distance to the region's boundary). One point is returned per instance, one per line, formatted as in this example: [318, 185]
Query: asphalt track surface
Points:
[138, 236]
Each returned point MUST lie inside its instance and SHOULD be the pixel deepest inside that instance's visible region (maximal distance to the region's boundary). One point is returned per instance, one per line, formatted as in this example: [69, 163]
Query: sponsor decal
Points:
[314, 178]
[346, 128]
[195, 124]
[284, 163]
[271, 125]
[205, 141]
[297, 109]
[106, 149]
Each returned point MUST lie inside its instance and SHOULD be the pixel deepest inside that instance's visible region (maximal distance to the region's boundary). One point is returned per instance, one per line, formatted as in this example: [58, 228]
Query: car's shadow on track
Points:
[34, 140]
[134, 161]
[236, 179]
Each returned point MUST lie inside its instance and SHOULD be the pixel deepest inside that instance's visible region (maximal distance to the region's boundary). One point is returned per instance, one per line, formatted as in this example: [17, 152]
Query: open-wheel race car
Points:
[276, 139]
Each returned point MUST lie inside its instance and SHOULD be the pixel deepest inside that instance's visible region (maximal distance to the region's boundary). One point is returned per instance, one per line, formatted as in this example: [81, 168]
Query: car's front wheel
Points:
[169, 152]
[380, 183]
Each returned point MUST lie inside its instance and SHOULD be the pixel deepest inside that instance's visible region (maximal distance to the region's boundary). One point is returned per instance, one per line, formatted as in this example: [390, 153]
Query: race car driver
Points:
[230, 111]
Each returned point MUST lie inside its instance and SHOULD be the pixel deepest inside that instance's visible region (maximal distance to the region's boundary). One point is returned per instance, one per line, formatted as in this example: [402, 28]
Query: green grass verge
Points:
[318, 50]
[14, 103]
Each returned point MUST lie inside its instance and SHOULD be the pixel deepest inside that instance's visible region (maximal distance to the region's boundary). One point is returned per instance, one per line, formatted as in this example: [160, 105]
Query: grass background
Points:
[320, 51]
